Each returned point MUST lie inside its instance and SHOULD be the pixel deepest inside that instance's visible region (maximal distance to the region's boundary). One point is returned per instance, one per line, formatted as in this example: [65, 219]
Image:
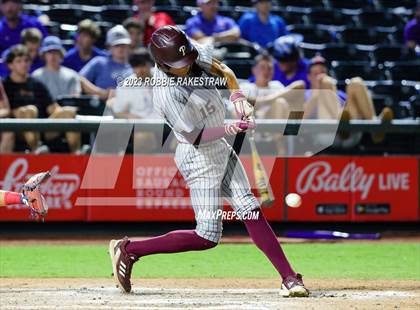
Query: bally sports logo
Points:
[57, 190]
[318, 177]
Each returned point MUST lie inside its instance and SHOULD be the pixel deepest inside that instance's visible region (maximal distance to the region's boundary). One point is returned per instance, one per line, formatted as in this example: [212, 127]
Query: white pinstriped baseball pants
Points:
[213, 171]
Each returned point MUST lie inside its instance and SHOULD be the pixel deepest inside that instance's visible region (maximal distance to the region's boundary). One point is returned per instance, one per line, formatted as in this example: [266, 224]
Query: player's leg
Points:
[7, 142]
[206, 235]
[361, 106]
[124, 253]
[73, 138]
[328, 102]
[278, 110]
[31, 138]
[359, 102]
[237, 189]
[11, 198]
[205, 196]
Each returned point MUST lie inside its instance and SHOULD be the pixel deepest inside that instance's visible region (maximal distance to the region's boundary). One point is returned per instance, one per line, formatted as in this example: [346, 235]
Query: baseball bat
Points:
[260, 175]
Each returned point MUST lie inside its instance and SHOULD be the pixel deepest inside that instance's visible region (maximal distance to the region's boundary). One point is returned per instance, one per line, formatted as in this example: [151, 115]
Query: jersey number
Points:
[209, 108]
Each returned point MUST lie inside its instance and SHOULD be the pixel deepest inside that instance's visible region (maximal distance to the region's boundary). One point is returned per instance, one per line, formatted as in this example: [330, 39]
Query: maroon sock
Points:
[265, 239]
[172, 242]
[12, 198]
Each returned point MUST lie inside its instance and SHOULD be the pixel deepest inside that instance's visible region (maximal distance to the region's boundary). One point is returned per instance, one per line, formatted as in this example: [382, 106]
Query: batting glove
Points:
[239, 126]
[242, 107]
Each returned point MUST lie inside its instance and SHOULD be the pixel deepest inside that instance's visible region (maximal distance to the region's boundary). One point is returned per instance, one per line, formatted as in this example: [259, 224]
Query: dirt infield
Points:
[89, 294]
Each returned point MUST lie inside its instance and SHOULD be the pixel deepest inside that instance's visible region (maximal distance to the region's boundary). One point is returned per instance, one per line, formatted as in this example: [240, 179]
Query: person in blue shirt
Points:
[260, 26]
[77, 57]
[32, 39]
[289, 65]
[208, 26]
[107, 71]
[14, 22]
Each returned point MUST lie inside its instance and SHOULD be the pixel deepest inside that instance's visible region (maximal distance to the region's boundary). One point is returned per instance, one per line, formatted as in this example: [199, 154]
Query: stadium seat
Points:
[394, 89]
[115, 14]
[240, 49]
[183, 3]
[301, 3]
[159, 2]
[311, 35]
[403, 110]
[392, 4]
[380, 102]
[404, 70]
[344, 52]
[242, 68]
[94, 2]
[364, 69]
[239, 3]
[380, 19]
[230, 12]
[178, 15]
[363, 36]
[53, 28]
[384, 53]
[312, 50]
[397, 37]
[290, 17]
[64, 14]
[86, 105]
[350, 5]
[329, 17]
[415, 104]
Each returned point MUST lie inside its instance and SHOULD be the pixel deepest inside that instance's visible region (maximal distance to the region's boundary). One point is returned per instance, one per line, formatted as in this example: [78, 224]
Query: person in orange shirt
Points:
[151, 20]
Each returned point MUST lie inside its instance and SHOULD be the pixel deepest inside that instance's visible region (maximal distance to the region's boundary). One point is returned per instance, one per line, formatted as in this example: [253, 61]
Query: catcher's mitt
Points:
[32, 195]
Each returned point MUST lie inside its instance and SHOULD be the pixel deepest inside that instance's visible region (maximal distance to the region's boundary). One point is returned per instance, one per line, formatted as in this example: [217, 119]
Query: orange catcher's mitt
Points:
[32, 196]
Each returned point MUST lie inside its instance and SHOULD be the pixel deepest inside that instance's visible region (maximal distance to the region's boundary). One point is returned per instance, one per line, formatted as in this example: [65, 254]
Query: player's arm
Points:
[204, 135]
[243, 108]
[4, 103]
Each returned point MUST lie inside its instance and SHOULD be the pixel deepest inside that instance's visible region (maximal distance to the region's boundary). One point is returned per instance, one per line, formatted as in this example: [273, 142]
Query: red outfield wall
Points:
[338, 188]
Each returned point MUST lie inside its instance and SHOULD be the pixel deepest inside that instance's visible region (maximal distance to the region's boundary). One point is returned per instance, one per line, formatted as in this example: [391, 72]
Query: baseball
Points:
[293, 200]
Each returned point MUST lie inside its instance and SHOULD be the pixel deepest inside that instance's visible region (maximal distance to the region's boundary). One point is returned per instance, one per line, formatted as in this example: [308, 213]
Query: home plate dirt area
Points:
[90, 294]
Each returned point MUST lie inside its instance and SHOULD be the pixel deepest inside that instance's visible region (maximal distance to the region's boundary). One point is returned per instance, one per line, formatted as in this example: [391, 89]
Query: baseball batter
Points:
[208, 163]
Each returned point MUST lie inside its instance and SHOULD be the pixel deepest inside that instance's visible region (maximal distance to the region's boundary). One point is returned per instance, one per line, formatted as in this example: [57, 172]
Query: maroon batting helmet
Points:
[170, 47]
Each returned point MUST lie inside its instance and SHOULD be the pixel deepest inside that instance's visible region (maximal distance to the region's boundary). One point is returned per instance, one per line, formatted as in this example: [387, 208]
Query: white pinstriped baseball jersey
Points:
[212, 170]
[187, 107]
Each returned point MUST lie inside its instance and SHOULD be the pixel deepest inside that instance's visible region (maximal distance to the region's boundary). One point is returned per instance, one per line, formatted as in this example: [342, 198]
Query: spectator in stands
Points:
[14, 22]
[267, 94]
[7, 139]
[29, 98]
[106, 71]
[59, 80]
[355, 103]
[135, 29]
[260, 26]
[209, 27]
[291, 65]
[272, 100]
[136, 102]
[31, 38]
[149, 19]
[85, 49]
[412, 31]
